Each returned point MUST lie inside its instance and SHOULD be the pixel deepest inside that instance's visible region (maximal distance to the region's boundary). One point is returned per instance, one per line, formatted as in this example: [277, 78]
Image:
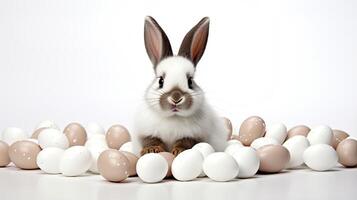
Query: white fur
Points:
[200, 121]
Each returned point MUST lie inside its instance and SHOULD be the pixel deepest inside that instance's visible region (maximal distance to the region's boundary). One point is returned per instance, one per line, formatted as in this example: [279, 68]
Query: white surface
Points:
[298, 184]
[290, 61]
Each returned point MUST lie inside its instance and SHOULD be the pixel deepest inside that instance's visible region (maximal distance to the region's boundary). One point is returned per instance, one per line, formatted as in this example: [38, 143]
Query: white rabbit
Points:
[175, 115]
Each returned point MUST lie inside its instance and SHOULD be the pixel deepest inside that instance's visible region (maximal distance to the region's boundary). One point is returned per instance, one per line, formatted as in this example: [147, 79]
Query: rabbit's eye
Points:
[161, 82]
[190, 83]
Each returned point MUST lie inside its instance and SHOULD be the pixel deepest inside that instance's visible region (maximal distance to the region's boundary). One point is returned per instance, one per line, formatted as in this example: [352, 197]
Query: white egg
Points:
[95, 152]
[231, 149]
[187, 165]
[48, 160]
[262, 141]
[47, 124]
[75, 161]
[296, 147]
[128, 146]
[320, 135]
[96, 142]
[206, 149]
[93, 129]
[277, 131]
[248, 161]
[230, 142]
[52, 138]
[320, 157]
[13, 134]
[152, 168]
[220, 166]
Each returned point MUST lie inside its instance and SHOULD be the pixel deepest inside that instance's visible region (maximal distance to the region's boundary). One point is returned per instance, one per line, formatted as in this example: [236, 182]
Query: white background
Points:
[286, 61]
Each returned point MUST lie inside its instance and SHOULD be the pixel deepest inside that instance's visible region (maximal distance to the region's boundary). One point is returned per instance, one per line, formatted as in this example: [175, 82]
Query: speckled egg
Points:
[133, 159]
[24, 154]
[298, 130]
[76, 134]
[116, 136]
[251, 129]
[113, 165]
[4, 154]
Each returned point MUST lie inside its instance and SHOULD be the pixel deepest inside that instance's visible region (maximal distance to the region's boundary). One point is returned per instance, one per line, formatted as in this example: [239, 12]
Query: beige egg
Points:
[37, 132]
[169, 158]
[113, 165]
[273, 158]
[4, 154]
[116, 136]
[228, 125]
[347, 152]
[133, 159]
[338, 136]
[76, 134]
[298, 130]
[24, 154]
[251, 129]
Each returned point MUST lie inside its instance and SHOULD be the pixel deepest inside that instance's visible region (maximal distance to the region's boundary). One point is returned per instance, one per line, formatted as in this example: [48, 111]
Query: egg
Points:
[273, 158]
[337, 137]
[128, 146]
[95, 152]
[296, 146]
[220, 166]
[204, 148]
[320, 157]
[259, 142]
[228, 125]
[116, 136]
[187, 165]
[48, 160]
[96, 142]
[152, 168]
[37, 132]
[75, 161]
[169, 158]
[113, 165]
[347, 152]
[320, 135]
[93, 129]
[4, 154]
[133, 159]
[233, 141]
[251, 129]
[277, 131]
[52, 138]
[12, 134]
[32, 140]
[298, 130]
[231, 149]
[248, 161]
[47, 124]
[24, 154]
[76, 134]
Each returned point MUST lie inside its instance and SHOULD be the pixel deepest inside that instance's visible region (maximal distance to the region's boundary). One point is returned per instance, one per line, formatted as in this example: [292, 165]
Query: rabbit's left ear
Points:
[194, 43]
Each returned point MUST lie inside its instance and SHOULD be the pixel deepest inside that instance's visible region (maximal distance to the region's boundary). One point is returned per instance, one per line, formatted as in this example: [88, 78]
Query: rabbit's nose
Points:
[176, 97]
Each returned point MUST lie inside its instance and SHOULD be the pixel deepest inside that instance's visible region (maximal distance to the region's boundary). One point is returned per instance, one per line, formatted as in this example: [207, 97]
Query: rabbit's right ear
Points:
[156, 42]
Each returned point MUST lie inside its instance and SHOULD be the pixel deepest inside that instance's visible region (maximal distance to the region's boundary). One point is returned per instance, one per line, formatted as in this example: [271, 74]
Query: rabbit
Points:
[175, 114]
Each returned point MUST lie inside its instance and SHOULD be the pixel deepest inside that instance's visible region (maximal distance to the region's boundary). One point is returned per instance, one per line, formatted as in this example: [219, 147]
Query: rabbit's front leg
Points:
[152, 145]
[183, 144]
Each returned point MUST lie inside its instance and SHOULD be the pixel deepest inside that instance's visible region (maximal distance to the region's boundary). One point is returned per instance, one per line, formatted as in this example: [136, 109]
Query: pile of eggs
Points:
[256, 148]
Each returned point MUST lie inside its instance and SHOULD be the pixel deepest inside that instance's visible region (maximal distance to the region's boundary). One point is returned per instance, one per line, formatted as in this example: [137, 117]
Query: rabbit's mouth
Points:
[174, 108]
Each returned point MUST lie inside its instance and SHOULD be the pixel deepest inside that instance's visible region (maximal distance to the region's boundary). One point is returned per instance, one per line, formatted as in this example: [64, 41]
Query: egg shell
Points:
[24, 154]
[231, 149]
[259, 142]
[248, 161]
[251, 129]
[204, 148]
[152, 168]
[296, 146]
[95, 152]
[113, 165]
[75, 161]
[273, 158]
[52, 138]
[187, 165]
[320, 157]
[337, 137]
[76, 134]
[133, 159]
[47, 124]
[48, 160]
[169, 158]
[298, 130]
[4, 154]
[116, 136]
[347, 152]
[93, 129]
[277, 131]
[37, 132]
[320, 135]
[220, 166]
[228, 125]
[12, 134]
[128, 146]
[234, 141]
[96, 143]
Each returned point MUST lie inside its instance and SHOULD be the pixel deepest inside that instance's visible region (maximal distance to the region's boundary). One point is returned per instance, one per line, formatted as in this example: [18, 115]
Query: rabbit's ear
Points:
[194, 43]
[156, 42]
